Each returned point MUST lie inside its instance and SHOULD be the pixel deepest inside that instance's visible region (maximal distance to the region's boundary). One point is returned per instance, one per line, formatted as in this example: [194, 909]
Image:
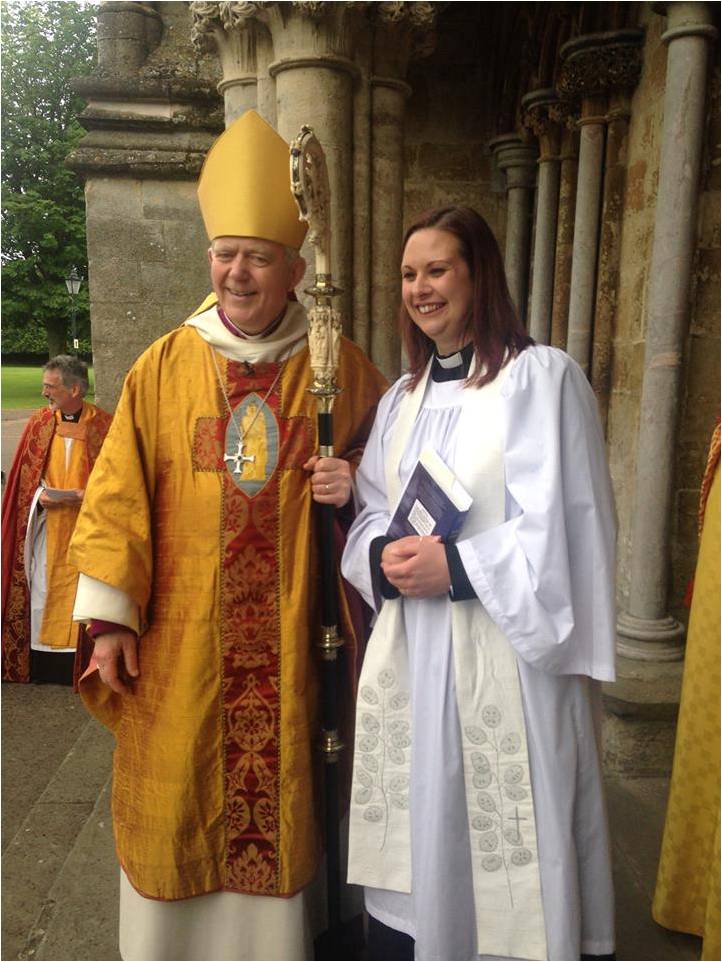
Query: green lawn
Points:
[21, 386]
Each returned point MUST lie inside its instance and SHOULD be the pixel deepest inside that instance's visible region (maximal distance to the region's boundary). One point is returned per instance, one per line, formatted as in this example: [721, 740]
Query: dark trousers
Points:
[49, 668]
[387, 944]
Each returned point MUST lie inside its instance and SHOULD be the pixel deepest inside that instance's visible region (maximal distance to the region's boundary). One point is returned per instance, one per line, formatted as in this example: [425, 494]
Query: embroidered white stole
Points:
[500, 810]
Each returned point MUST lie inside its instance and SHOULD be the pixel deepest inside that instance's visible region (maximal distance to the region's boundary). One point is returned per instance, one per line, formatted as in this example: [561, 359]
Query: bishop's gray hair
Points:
[72, 371]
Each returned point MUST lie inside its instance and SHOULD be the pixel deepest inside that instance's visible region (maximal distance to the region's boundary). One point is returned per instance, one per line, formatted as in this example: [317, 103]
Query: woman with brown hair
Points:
[478, 824]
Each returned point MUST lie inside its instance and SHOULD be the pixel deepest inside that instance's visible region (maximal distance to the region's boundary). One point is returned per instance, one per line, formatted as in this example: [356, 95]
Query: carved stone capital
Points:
[564, 113]
[210, 19]
[403, 32]
[418, 14]
[516, 158]
[232, 30]
[599, 64]
[536, 117]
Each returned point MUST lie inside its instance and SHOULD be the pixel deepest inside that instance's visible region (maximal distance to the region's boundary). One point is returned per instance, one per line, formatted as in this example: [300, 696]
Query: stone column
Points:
[314, 74]
[400, 32]
[266, 85]
[610, 247]
[361, 304]
[518, 161]
[152, 114]
[244, 50]
[569, 155]
[388, 99]
[536, 118]
[586, 230]
[591, 69]
[126, 34]
[646, 631]
[233, 35]
[622, 70]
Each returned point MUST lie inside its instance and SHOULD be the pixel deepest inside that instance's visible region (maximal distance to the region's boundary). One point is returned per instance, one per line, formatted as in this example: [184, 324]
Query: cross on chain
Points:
[239, 458]
[516, 817]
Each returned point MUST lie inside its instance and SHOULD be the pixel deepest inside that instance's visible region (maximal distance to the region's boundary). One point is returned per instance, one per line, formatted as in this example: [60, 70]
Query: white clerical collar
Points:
[288, 338]
[451, 360]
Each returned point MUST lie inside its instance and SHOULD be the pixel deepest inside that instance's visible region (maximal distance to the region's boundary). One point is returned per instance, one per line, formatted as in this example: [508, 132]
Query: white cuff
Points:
[95, 599]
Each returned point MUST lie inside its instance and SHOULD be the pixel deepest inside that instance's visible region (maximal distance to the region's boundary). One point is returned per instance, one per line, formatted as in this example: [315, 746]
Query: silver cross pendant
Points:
[239, 458]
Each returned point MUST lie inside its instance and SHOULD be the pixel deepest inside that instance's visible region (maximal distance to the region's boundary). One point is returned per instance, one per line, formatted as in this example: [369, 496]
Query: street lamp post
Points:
[73, 282]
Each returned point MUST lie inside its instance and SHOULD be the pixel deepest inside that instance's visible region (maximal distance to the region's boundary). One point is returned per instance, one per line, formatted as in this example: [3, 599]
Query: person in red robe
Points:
[42, 498]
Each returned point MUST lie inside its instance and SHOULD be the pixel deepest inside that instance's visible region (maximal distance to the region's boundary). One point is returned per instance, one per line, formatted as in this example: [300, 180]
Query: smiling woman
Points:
[436, 287]
[477, 820]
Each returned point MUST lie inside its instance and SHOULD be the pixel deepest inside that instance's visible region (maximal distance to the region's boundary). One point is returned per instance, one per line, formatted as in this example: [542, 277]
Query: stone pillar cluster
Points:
[581, 126]
[598, 70]
[340, 67]
[647, 632]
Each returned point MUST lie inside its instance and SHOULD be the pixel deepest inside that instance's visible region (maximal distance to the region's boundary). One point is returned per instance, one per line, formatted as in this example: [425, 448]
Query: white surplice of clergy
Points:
[544, 574]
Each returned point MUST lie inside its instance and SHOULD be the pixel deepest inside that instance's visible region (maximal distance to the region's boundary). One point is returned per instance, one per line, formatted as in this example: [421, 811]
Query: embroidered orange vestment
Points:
[41, 454]
[214, 783]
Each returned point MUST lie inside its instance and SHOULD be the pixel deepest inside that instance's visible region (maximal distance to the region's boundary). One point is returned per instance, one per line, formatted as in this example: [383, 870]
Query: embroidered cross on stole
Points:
[250, 467]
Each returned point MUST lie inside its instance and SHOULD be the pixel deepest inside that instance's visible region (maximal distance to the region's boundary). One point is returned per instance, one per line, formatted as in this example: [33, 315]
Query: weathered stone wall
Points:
[157, 274]
[152, 113]
[449, 124]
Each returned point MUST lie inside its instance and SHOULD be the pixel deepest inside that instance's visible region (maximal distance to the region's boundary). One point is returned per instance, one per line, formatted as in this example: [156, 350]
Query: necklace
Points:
[239, 458]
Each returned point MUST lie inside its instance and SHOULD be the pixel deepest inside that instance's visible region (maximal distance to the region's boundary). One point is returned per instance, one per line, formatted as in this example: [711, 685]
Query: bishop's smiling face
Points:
[436, 287]
[252, 279]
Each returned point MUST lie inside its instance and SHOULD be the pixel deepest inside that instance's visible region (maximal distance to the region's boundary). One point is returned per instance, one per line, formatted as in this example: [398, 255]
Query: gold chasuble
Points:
[212, 535]
[41, 456]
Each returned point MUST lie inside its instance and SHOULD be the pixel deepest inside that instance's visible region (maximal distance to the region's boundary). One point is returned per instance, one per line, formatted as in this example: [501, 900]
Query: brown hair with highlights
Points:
[493, 323]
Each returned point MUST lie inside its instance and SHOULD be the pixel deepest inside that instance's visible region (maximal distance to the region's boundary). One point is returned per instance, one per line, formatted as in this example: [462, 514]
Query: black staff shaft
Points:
[330, 707]
[329, 600]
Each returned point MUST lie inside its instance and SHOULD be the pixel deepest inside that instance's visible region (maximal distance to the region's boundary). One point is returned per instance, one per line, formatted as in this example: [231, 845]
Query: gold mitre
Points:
[245, 187]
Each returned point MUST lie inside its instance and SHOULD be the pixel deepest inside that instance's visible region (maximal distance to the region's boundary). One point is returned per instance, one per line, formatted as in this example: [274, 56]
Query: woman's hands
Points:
[417, 566]
[330, 480]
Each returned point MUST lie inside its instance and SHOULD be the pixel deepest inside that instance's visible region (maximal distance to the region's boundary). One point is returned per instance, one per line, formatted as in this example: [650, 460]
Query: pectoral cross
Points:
[239, 458]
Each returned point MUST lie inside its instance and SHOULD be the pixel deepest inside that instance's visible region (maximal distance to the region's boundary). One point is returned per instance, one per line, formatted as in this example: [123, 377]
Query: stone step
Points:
[38, 852]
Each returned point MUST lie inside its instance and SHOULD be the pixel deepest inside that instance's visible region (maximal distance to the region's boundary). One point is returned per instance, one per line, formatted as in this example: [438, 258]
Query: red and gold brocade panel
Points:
[250, 619]
[23, 481]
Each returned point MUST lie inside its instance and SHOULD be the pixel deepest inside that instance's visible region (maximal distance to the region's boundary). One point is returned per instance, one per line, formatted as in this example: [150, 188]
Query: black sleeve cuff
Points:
[381, 585]
[461, 589]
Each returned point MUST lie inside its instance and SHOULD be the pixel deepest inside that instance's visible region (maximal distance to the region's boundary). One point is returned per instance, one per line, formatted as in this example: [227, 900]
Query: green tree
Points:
[44, 46]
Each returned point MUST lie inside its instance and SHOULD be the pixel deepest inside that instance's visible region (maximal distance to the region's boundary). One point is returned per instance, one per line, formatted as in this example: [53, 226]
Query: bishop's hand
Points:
[116, 655]
[330, 480]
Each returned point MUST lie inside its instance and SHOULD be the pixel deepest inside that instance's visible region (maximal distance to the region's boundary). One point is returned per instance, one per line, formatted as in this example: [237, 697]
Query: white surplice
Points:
[545, 576]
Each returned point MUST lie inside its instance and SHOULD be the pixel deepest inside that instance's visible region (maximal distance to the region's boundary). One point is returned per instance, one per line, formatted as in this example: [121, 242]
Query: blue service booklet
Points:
[433, 502]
